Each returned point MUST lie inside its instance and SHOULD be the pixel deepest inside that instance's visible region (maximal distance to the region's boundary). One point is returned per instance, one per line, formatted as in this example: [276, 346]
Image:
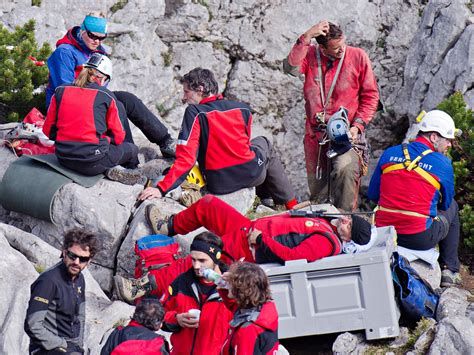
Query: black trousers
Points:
[444, 232]
[125, 154]
[273, 180]
[142, 117]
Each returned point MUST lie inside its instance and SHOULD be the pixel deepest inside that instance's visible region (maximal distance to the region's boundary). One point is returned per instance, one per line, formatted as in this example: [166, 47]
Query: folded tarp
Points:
[32, 181]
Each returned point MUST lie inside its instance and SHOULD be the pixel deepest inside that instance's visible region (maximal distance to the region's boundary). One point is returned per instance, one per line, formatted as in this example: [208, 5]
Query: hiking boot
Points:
[156, 221]
[125, 176]
[301, 205]
[168, 148]
[130, 289]
[449, 278]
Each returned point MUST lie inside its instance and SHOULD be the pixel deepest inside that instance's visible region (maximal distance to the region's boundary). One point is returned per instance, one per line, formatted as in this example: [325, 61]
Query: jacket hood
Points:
[71, 38]
[266, 317]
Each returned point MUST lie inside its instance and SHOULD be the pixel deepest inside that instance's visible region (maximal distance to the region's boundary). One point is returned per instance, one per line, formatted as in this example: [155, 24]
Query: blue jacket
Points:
[66, 61]
[410, 192]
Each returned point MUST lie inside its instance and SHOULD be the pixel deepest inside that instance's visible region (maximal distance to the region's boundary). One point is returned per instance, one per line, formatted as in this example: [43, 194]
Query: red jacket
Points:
[284, 238]
[208, 338]
[83, 122]
[356, 87]
[252, 331]
[216, 133]
[134, 339]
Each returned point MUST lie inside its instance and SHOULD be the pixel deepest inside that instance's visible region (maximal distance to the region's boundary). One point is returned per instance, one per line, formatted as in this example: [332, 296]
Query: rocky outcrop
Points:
[16, 276]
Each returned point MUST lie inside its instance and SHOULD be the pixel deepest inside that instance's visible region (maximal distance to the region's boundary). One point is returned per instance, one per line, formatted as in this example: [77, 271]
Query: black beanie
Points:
[361, 230]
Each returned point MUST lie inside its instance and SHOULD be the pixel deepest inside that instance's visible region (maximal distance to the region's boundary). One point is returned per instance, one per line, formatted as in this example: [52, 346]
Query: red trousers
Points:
[218, 217]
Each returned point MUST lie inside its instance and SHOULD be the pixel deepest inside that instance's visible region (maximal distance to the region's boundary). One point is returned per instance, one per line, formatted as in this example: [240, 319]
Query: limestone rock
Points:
[434, 47]
[426, 338]
[454, 335]
[242, 200]
[429, 274]
[453, 302]
[16, 276]
[401, 339]
[345, 343]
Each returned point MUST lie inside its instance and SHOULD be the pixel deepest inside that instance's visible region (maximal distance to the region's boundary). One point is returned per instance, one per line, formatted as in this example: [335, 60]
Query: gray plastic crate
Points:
[337, 294]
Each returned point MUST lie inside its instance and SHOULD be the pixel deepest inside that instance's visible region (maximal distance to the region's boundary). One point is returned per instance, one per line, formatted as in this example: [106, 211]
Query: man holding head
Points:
[335, 75]
[56, 311]
[413, 185]
[216, 133]
[206, 333]
[67, 61]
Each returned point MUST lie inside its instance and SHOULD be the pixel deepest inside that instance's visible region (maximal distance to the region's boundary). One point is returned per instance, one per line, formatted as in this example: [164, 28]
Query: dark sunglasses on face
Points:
[93, 36]
[73, 257]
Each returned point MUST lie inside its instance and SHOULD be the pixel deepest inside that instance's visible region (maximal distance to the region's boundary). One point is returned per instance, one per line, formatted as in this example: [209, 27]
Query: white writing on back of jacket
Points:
[424, 166]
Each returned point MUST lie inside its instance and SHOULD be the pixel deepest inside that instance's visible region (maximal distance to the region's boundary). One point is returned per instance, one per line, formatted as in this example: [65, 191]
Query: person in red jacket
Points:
[83, 120]
[190, 291]
[66, 62]
[216, 132]
[335, 75]
[139, 336]
[254, 327]
[276, 238]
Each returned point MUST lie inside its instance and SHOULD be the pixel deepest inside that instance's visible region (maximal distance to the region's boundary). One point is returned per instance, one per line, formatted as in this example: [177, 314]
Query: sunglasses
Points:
[93, 36]
[73, 257]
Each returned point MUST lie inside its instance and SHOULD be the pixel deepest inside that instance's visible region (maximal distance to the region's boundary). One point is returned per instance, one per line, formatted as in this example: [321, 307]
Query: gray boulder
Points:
[16, 276]
[454, 331]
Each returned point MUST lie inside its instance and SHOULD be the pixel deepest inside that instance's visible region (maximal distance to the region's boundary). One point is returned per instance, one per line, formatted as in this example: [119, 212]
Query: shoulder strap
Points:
[324, 101]
[410, 165]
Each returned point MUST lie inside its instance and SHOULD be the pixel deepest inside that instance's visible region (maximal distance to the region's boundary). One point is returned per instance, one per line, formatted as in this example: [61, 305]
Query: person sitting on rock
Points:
[139, 336]
[84, 121]
[413, 185]
[254, 328]
[271, 239]
[66, 62]
[216, 132]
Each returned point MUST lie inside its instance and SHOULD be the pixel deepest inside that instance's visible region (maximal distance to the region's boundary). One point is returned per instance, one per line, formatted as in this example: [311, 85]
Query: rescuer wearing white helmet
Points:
[85, 122]
[413, 185]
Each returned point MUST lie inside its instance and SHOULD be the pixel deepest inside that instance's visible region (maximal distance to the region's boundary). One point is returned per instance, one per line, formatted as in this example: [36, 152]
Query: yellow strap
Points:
[393, 167]
[428, 177]
[417, 159]
[408, 213]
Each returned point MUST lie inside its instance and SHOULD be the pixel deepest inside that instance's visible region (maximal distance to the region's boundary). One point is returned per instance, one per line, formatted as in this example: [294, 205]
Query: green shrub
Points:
[21, 82]
[462, 154]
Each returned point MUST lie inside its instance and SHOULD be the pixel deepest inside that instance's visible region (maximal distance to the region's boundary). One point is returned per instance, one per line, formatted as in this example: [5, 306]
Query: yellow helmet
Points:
[195, 176]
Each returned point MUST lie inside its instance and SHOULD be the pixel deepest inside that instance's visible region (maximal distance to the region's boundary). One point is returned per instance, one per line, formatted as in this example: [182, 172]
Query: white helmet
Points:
[338, 125]
[101, 63]
[440, 122]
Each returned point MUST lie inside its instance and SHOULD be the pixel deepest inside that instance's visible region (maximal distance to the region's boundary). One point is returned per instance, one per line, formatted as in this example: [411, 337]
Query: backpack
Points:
[415, 296]
[155, 252]
[28, 137]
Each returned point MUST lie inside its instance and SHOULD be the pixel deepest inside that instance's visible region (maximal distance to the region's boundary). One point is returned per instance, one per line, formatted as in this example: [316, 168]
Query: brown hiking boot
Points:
[156, 221]
[129, 290]
[126, 176]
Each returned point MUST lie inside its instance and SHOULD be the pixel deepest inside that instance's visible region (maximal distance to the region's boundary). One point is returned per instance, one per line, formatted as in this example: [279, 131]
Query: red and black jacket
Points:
[134, 339]
[286, 238]
[216, 133]
[188, 292]
[252, 331]
[83, 122]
